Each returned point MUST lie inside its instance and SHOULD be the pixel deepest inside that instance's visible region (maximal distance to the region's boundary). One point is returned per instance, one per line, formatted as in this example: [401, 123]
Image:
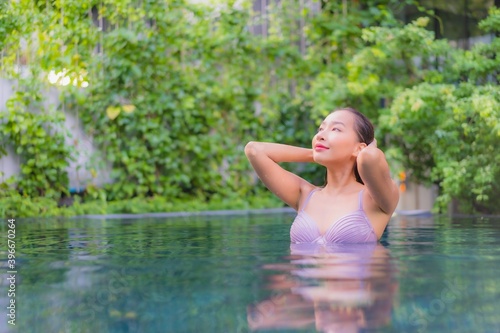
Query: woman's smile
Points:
[320, 147]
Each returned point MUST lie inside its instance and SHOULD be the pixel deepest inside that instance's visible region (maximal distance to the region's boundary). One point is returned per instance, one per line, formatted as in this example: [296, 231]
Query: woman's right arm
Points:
[265, 157]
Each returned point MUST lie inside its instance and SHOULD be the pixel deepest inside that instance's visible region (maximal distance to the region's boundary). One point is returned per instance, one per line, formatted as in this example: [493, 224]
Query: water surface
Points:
[236, 274]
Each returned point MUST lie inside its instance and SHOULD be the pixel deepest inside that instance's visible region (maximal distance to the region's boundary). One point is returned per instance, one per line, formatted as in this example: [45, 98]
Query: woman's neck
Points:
[341, 180]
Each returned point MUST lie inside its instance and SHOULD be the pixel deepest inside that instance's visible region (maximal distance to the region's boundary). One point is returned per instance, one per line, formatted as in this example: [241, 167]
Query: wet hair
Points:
[366, 133]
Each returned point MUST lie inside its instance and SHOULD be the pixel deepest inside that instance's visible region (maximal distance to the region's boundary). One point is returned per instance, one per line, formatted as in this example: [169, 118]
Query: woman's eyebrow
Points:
[334, 123]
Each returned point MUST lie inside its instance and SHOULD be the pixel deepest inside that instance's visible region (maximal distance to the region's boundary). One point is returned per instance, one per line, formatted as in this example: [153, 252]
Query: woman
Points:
[359, 197]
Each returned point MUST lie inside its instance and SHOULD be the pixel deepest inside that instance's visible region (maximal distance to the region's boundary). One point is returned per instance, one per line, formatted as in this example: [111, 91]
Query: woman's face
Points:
[336, 139]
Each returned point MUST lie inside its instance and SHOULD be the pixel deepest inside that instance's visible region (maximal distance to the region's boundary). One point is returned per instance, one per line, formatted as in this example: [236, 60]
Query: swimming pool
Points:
[236, 274]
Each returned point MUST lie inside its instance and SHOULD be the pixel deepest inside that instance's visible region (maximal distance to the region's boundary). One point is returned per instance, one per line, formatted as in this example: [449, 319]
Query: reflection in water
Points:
[198, 276]
[334, 288]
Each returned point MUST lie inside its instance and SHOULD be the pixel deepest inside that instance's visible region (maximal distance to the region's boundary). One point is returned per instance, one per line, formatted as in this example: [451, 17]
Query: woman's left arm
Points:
[374, 171]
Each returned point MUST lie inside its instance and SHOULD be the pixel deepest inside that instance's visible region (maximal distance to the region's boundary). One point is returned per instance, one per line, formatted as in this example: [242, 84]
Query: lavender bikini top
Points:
[351, 228]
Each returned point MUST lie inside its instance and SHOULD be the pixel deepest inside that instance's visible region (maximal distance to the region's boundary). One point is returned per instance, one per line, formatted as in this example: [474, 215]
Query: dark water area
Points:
[241, 274]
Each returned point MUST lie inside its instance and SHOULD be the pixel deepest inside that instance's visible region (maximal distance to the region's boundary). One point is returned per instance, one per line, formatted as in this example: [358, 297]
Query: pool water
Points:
[240, 274]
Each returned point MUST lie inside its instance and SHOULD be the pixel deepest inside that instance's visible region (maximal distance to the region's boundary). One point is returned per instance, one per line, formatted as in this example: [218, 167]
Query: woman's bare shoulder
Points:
[305, 189]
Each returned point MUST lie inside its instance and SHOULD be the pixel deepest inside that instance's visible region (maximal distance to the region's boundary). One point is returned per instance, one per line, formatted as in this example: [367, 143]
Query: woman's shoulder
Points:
[306, 189]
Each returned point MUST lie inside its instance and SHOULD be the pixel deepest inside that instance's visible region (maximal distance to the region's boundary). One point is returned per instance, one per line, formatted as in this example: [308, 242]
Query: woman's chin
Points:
[319, 160]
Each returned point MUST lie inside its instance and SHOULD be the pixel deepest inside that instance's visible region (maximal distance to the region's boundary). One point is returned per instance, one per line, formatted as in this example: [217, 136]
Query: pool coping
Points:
[229, 212]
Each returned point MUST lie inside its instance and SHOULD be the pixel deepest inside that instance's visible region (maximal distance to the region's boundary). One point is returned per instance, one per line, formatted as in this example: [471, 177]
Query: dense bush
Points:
[177, 89]
[446, 128]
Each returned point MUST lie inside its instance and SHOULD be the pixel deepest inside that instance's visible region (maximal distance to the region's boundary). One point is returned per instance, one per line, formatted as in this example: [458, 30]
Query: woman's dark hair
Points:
[364, 129]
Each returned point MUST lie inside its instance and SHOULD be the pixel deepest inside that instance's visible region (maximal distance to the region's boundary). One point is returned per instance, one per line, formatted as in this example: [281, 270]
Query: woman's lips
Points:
[320, 148]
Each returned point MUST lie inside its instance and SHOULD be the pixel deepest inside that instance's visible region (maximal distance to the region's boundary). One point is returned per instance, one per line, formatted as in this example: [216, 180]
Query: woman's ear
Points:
[359, 148]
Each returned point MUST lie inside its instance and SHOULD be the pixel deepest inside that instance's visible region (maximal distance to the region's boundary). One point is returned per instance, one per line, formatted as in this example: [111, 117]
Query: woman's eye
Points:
[320, 129]
[335, 129]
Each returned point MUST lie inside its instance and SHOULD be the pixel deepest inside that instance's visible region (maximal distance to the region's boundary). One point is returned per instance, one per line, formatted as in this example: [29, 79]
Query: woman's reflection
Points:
[334, 288]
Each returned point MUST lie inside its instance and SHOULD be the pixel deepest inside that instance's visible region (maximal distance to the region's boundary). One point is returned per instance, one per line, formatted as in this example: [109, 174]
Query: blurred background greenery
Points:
[171, 91]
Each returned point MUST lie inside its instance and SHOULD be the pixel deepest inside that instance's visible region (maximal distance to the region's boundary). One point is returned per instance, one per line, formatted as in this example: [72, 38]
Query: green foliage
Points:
[491, 24]
[175, 90]
[454, 148]
[468, 156]
[446, 131]
[38, 136]
[181, 114]
[13, 204]
[377, 73]
[481, 65]
[7, 23]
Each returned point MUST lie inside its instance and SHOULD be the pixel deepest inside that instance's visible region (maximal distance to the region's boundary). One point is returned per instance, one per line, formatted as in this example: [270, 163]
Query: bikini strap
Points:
[307, 198]
[361, 199]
